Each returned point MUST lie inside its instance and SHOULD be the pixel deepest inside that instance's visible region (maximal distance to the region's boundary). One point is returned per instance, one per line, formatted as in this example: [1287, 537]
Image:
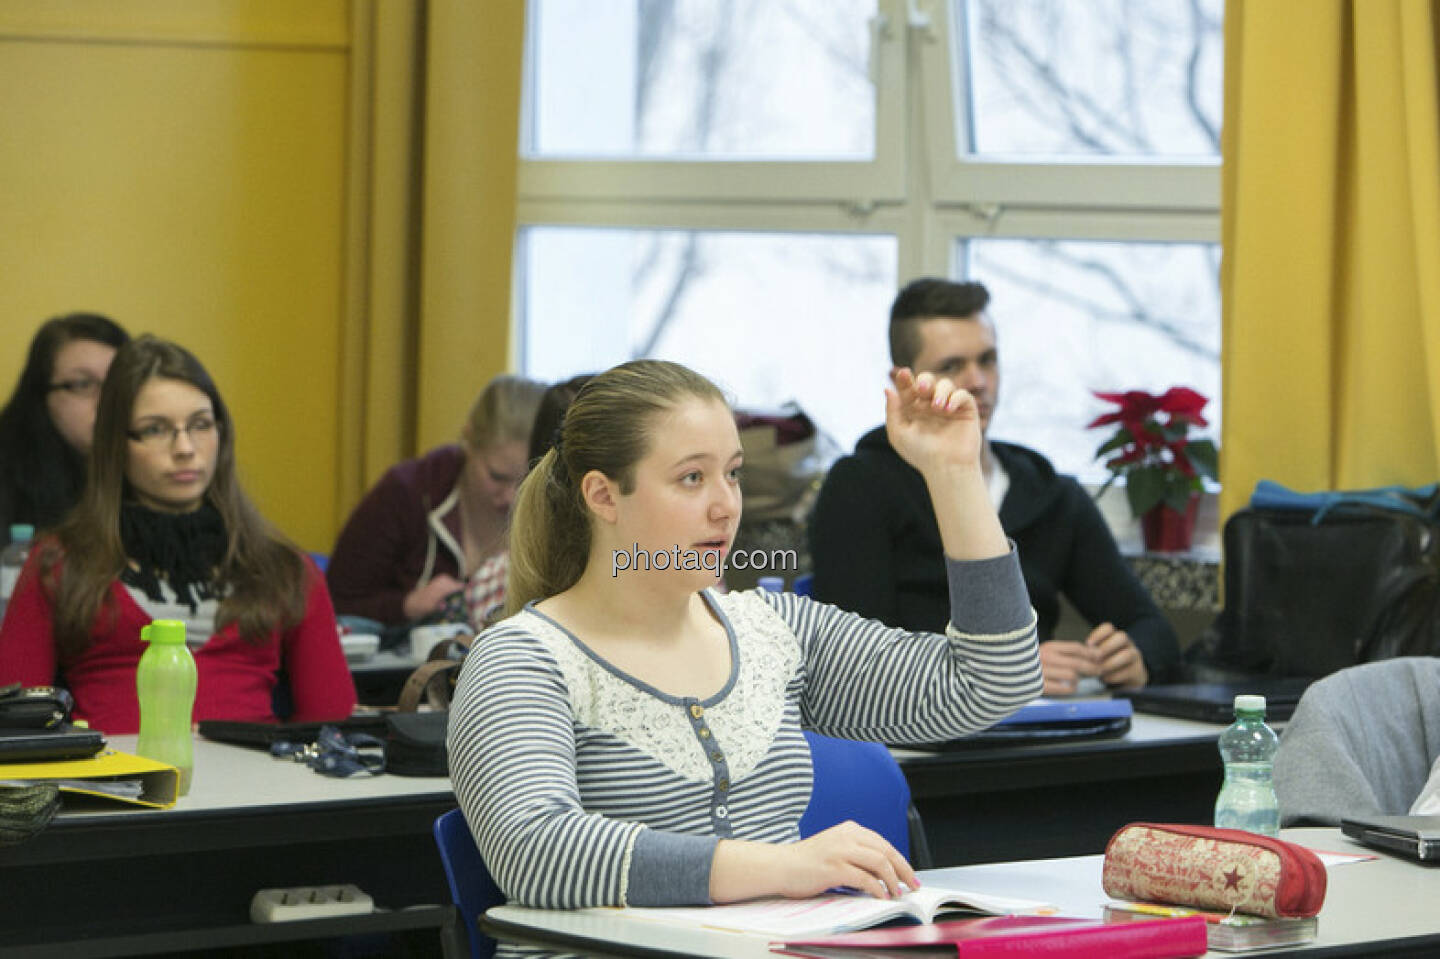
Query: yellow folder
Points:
[159, 782]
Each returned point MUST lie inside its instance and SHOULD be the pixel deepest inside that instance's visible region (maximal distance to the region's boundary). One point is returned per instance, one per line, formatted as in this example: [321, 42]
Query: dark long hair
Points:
[262, 577]
[42, 474]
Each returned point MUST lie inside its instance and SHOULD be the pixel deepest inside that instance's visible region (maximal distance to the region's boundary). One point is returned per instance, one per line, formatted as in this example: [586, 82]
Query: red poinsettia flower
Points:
[1183, 401]
[1152, 448]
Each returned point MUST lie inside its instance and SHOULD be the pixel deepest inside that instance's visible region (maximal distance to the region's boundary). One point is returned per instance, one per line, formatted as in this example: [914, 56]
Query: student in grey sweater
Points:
[633, 736]
[1361, 742]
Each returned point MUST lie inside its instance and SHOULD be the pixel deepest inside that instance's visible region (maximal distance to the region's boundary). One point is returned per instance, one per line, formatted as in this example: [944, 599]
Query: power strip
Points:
[309, 902]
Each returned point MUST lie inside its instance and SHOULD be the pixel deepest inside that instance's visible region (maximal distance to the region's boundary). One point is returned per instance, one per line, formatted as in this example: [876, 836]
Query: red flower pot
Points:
[1168, 530]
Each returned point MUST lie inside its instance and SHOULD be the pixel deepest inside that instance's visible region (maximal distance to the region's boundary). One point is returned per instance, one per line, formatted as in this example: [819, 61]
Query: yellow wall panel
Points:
[311, 22]
[196, 191]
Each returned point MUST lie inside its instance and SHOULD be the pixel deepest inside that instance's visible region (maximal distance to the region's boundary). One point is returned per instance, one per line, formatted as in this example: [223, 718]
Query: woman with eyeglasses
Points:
[164, 531]
[433, 528]
[45, 427]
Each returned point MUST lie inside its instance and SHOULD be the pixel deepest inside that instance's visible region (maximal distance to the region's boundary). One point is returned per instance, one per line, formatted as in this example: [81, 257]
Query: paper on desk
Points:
[1341, 858]
[830, 913]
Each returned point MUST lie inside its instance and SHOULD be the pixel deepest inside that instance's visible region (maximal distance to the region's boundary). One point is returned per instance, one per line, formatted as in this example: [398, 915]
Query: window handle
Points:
[879, 33]
[919, 18]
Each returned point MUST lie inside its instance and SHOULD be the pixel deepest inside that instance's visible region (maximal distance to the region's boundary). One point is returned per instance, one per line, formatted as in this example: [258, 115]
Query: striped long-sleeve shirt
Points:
[585, 786]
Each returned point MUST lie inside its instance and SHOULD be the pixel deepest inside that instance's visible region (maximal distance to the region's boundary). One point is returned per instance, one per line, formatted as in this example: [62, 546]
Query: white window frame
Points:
[881, 179]
[918, 187]
[1118, 183]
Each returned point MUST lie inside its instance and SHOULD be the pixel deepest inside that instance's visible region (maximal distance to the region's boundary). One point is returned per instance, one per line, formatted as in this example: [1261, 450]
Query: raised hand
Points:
[932, 423]
[935, 427]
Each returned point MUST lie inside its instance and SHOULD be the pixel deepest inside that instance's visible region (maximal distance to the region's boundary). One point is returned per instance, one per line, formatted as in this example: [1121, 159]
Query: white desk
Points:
[106, 879]
[237, 778]
[1386, 906]
[386, 660]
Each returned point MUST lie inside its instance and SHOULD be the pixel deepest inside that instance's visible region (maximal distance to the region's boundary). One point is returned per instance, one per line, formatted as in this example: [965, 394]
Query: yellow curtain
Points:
[472, 115]
[1331, 236]
[435, 104]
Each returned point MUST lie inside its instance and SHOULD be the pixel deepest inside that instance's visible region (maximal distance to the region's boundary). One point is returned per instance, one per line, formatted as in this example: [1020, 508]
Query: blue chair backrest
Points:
[471, 888]
[859, 781]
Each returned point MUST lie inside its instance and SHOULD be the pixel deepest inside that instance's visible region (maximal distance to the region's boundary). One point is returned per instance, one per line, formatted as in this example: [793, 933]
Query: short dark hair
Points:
[923, 299]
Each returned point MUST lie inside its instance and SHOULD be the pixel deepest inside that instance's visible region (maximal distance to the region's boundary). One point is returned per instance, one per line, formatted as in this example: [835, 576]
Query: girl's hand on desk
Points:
[844, 855]
[425, 599]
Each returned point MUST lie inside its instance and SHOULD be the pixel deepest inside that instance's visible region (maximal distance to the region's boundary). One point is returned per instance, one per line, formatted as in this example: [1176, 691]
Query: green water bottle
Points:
[165, 682]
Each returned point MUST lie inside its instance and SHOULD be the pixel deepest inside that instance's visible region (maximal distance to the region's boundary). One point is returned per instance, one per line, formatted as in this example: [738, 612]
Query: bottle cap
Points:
[771, 584]
[21, 532]
[166, 632]
[1249, 704]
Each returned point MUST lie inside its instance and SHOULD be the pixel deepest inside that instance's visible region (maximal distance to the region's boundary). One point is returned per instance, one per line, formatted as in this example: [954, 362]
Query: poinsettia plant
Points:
[1152, 447]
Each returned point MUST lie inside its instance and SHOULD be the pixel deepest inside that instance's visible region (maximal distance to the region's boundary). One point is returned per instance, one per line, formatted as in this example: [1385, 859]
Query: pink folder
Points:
[1054, 937]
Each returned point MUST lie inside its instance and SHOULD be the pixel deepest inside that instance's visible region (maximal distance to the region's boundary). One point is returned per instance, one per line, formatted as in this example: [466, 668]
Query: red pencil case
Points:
[1216, 869]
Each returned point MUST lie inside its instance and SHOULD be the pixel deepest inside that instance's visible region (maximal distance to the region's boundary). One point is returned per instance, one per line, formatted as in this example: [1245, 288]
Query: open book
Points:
[831, 913]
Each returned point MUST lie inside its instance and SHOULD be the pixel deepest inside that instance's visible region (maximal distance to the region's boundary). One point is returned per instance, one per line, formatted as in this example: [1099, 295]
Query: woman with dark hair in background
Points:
[45, 426]
[164, 531]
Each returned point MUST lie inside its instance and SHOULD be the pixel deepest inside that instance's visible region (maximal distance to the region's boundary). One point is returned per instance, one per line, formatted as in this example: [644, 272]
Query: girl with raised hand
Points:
[164, 531]
[631, 736]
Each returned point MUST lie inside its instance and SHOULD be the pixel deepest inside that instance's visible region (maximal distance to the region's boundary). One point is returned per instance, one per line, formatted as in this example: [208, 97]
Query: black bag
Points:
[34, 707]
[1311, 592]
[415, 744]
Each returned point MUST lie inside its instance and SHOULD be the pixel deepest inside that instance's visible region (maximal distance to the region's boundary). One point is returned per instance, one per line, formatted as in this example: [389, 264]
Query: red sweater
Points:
[236, 678]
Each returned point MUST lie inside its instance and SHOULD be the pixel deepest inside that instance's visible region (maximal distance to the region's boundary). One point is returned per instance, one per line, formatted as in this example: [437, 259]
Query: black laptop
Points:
[1215, 702]
[262, 735]
[1415, 837]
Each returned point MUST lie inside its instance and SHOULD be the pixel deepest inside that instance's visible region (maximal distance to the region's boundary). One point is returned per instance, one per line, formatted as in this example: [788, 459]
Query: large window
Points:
[741, 185]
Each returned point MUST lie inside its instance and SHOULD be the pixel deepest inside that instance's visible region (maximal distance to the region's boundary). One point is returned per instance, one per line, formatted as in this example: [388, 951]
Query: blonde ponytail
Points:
[549, 535]
[606, 428]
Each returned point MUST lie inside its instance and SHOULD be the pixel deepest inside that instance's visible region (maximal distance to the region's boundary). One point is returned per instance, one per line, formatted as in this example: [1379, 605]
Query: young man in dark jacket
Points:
[875, 543]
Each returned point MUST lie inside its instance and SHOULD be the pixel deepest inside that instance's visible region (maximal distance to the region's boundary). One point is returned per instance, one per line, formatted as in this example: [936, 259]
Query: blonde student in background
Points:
[634, 737]
[437, 521]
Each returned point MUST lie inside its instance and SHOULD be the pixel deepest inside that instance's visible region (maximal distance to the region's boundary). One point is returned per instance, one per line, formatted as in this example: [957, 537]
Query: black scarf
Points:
[183, 549]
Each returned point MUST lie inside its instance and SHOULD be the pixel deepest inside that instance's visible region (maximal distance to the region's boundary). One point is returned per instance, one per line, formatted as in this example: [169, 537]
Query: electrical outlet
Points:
[309, 902]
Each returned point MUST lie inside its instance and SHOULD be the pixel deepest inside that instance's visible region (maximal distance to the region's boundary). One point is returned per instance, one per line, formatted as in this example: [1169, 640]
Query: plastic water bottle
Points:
[1247, 799]
[165, 682]
[12, 560]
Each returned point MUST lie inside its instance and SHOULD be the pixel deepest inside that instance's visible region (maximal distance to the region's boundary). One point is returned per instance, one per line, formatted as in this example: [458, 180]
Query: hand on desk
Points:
[1107, 653]
[426, 599]
[844, 855]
